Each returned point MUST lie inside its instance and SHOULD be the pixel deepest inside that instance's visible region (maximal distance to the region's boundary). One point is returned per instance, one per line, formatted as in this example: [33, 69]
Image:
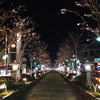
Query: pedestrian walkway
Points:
[51, 87]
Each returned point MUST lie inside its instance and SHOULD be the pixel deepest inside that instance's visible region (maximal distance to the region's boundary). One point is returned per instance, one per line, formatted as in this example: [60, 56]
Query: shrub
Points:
[28, 77]
[7, 79]
[70, 76]
[81, 79]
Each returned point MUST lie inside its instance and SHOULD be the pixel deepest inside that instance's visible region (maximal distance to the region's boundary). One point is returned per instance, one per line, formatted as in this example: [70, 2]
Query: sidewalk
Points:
[51, 87]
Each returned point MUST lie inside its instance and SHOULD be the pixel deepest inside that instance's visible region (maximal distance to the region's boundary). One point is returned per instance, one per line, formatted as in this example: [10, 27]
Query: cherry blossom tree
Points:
[92, 9]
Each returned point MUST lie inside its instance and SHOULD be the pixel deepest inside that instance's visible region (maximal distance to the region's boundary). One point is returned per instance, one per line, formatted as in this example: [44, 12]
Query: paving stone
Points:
[51, 87]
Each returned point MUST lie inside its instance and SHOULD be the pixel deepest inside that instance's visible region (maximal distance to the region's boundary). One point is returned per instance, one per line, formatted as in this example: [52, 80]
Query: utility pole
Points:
[6, 51]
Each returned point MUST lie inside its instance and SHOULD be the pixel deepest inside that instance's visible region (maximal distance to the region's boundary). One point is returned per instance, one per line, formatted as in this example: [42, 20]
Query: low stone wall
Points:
[21, 90]
[86, 95]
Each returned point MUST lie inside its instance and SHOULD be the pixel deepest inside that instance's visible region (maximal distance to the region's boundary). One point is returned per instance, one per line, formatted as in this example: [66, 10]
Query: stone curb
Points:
[21, 91]
[84, 93]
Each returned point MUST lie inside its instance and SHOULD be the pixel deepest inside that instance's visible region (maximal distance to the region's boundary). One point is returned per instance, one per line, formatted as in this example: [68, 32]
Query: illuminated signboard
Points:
[96, 59]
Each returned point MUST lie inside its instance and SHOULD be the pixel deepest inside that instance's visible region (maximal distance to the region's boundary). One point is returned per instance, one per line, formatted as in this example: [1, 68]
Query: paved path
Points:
[51, 87]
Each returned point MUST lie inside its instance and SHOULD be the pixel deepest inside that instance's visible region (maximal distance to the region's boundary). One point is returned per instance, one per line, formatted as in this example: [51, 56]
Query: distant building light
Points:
[74, 72]
[66, 60]
[78, 61]
[73, 55]
[79, 67]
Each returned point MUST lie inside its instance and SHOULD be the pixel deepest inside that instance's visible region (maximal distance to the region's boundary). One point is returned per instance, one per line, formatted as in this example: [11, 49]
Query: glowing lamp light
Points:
[74, 77]
[98, 86]
[2, 71]
[25, 79]
[87, 67]
[98, 80]
[68, 68]
[35, 75]
[39, 74]
[74, 72]
[13, 45]
[99, 63]
[15, 65]
[78, 61]
[98, 38]
[66, 60]
[24, 70]
[42, 67]
[36, 68]
[3, 86]
[79, 67]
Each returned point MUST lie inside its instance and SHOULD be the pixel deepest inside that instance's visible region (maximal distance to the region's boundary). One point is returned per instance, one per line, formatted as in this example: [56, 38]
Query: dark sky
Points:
[53, 27]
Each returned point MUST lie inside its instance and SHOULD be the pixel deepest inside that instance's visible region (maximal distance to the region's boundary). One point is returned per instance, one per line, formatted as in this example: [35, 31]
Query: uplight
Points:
[2, 86]
[25, 79]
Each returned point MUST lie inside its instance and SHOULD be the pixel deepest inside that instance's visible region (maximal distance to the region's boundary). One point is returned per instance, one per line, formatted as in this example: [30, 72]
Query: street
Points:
[51, 87]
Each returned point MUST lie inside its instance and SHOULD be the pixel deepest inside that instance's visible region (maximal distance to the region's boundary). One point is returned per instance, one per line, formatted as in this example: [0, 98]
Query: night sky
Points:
[53, 27]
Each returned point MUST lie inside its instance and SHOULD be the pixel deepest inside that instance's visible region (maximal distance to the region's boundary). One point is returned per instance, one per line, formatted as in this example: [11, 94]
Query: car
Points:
[96, 77]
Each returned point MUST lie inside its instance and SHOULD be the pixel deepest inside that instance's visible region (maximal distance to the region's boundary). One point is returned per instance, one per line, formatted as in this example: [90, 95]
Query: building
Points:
[92, 53]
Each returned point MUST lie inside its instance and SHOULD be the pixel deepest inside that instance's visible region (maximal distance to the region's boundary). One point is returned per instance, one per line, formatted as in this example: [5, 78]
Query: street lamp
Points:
[98, 38]
[13, 45]
[88, 73]
[16, 70]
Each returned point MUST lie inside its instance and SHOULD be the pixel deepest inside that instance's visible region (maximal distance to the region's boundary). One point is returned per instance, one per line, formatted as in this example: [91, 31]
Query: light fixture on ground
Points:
[3, 87]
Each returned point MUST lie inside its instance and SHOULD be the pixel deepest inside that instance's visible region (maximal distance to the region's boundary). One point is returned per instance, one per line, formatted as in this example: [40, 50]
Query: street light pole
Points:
[6, 57]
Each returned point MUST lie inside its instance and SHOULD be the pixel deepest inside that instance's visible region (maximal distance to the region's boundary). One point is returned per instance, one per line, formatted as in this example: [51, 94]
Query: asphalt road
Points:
[51, 87]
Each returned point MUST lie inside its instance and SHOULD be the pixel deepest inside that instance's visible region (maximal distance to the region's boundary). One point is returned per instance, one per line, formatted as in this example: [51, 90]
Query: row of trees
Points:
[90, 24]
[36, 51]
[90, 20]
[19, 30]
[71, 49]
